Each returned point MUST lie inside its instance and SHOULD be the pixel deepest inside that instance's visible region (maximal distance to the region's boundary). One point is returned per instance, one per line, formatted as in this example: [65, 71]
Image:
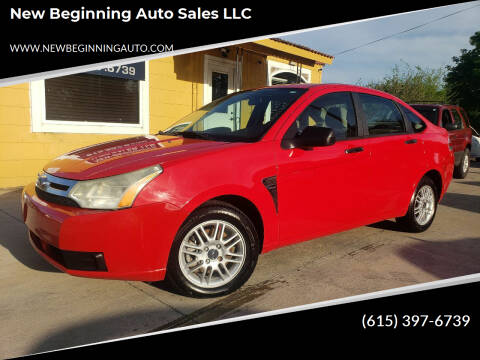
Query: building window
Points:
[286, 77]
[91, 103]
[281, 73]
[219, 85]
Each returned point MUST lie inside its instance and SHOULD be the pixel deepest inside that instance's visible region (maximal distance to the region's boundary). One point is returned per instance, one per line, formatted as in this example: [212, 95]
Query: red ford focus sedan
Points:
[248, 173]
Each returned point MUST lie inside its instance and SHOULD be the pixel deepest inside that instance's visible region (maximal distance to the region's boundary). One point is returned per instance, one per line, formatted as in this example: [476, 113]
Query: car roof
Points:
[345, 87]
[325, 85]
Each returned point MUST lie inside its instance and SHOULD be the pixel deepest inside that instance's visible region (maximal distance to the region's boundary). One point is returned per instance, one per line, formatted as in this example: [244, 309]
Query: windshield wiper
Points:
[162, 133]
[193, 134]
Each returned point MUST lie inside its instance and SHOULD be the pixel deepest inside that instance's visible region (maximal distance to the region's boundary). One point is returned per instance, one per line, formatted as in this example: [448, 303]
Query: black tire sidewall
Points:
[459, 173]
[237, 219]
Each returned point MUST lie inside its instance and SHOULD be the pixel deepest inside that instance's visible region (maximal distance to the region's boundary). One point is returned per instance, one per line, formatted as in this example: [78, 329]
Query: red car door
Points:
[455, 135]
[390, 143]
[462, 133]
[415, 152]
[323, 190]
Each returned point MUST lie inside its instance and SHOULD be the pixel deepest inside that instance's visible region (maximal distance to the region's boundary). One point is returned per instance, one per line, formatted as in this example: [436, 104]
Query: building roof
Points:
[288, 51]
[302, 47]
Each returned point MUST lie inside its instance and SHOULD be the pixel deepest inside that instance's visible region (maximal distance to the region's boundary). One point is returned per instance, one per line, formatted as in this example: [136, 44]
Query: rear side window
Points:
[446, 118]
[381, 114]
[457, 120]
[417, 124]
[334, 110]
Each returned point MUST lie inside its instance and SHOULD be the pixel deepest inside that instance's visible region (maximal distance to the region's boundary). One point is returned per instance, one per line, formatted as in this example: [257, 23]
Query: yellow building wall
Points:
[176, 89]
[254, 71]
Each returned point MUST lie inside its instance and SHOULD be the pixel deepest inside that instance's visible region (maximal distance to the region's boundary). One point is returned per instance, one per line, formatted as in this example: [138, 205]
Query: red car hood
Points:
[120, 156]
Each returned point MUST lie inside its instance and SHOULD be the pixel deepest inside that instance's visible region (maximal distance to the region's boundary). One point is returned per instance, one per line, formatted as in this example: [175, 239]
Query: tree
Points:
[463, 80]
[412, 84]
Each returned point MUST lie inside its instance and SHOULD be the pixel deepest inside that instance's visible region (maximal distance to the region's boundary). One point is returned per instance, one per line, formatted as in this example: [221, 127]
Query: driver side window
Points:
[334, 111]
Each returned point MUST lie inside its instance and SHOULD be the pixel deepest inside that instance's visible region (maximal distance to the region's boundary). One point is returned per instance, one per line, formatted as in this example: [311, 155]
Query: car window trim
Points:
[406, 122]
[361, 123]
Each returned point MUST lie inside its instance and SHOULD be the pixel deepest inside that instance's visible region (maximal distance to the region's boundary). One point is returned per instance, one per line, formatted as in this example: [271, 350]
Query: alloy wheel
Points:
[465, 163]
[212, 253]
[424, 207]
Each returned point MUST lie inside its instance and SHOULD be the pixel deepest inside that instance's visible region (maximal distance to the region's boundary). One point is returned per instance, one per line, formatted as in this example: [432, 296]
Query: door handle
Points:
[411, 141]
[354, 150]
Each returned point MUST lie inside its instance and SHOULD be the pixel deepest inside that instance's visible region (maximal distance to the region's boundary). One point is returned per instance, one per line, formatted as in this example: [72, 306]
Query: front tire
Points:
[214, 252]
[422, 208]
[461, 171]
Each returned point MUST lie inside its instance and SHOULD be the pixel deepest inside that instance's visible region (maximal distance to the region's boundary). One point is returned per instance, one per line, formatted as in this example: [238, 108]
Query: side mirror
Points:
[311, 136]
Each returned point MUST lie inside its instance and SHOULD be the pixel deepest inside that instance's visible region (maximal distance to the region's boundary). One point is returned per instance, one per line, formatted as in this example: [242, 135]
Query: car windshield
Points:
[244, 116]
[430, 113]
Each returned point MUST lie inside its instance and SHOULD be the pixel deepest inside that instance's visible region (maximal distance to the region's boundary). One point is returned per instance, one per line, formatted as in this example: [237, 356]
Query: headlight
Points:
[114, 192]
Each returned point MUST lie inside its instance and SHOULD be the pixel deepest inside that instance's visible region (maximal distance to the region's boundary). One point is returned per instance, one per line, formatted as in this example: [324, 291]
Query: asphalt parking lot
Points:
[43, 309]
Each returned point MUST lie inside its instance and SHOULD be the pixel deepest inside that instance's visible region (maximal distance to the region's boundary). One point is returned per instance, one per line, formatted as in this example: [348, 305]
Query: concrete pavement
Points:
[43, 309]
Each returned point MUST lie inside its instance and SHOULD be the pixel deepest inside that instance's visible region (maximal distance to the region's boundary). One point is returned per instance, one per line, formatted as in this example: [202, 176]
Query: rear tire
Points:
[422, 208]
[214, 253]
[461, 170]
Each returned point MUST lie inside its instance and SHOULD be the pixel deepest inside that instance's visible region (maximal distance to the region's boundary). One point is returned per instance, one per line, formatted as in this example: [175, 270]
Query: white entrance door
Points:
[218, 78]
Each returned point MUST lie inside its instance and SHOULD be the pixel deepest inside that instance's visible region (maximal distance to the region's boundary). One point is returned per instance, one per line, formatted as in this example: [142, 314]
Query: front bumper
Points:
[128, 244]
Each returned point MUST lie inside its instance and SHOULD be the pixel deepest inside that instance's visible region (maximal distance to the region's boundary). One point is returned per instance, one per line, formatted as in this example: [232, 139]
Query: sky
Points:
[431, 46]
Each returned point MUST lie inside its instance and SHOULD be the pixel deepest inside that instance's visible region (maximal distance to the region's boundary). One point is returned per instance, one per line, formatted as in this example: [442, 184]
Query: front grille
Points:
[54, 189]
[56, 199]
[72, 260]
[59, 187]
